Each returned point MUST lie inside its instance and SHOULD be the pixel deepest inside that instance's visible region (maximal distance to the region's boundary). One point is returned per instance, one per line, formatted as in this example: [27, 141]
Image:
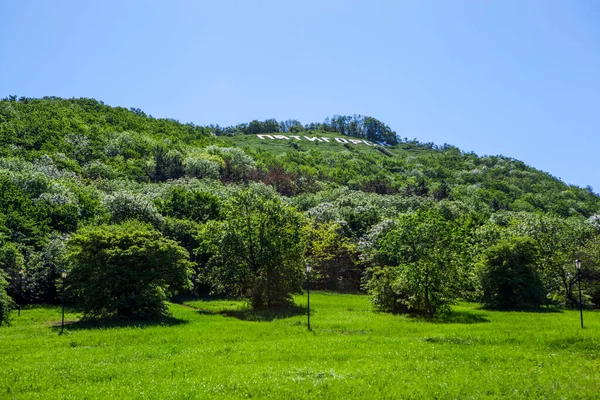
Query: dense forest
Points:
[136, 209]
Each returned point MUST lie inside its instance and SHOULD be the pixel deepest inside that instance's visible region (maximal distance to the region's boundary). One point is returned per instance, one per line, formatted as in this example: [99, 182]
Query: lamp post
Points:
[308, 269]
[578, 265]
[21, 272]
[63, 275]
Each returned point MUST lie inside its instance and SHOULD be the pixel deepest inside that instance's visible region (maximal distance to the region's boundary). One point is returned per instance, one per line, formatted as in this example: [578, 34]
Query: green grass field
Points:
[219, 349]
[278, 146]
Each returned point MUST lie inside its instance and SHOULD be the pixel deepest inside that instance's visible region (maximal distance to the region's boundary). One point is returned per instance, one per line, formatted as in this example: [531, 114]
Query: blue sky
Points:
[517, 78]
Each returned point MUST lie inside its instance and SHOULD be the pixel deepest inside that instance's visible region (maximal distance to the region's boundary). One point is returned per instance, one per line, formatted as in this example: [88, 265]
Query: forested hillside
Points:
[103, 192]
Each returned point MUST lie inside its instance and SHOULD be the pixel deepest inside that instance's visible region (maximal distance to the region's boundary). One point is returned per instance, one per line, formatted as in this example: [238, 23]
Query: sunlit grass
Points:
[219, 349]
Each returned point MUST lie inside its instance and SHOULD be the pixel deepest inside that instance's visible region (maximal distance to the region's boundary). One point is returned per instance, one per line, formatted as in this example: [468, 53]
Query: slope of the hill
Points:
[68, 163]
[93, 140]
[490, 182]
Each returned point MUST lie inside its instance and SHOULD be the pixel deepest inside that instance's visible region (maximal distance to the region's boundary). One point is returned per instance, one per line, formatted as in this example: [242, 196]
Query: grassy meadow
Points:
[221, 350]
[279, 146]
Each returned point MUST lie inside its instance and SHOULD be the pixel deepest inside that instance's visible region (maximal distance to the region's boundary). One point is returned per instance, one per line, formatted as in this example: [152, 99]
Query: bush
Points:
[508, 276]
[124, 206]
[334, 258]
[6, 303]
[237, 163]
[190, 204]
[382, 288]
[206, 166]
[126, 271]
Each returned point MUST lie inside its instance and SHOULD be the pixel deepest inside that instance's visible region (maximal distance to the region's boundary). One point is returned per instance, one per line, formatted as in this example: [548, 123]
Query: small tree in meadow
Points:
[258, 249]
[126, 271]
[419, 273]
[508, 276]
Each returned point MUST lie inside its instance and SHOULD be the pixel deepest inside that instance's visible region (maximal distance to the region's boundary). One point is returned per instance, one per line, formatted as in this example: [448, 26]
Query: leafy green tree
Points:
[382, 286]
[419, 249]
[259, 249]
[11, 262]
[508, 276]
[190, 204]
[590, 273]
[237, 163]
[127, 145]
[442, 191]
[26, 222]
[203, 166]
[124, 206]
[43, 266]
[166, 164]
[126, 271]
[291, 125]
[558, 241]
[6, 302]
[334, 258]
[417, 187]
[267, 126]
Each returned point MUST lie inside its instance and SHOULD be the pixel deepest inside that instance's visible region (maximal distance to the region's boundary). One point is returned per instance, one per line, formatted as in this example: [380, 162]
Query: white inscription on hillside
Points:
[315, 138]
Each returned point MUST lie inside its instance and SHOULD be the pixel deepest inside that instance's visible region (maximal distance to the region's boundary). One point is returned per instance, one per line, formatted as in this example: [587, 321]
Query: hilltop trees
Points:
[363, 127]
[360, 126]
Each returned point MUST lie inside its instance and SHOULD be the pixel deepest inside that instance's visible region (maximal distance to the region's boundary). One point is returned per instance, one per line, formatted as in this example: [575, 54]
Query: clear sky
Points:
[517, 78]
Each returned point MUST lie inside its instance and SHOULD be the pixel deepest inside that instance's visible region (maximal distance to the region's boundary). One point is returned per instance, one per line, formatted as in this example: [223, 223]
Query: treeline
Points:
[356, 126]
[137, 209]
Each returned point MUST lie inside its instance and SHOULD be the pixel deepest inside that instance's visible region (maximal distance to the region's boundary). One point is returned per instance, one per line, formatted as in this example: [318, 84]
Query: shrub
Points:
[190, 204]
[508, 277]
[126, 271]
[206, 166]
[6, 303]
[382, 288]
[124, 206]
[237, 163]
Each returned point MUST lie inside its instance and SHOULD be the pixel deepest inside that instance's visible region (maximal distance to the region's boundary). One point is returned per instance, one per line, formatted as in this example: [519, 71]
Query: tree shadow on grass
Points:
[115, 323]
[454, 317]
[534, 310]
[184, 298]
[574, 344]
[259, 315]
[266, 314]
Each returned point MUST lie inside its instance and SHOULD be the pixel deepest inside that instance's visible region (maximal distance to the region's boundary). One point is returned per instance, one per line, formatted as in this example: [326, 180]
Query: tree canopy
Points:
[259, 249]
[126, 271]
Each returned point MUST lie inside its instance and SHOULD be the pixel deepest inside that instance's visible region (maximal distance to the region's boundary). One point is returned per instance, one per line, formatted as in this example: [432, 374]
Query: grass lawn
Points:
[278, 146]
[218, 349]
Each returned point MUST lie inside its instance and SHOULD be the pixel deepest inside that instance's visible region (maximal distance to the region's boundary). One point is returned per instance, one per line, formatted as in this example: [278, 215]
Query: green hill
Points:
[411, 168]
[70, 163]
[82, 135]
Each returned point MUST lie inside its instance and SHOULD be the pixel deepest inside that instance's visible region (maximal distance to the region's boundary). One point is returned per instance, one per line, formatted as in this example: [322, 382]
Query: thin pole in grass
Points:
[63, 275]
[308, 270]
[21, 272]
[578, 265]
